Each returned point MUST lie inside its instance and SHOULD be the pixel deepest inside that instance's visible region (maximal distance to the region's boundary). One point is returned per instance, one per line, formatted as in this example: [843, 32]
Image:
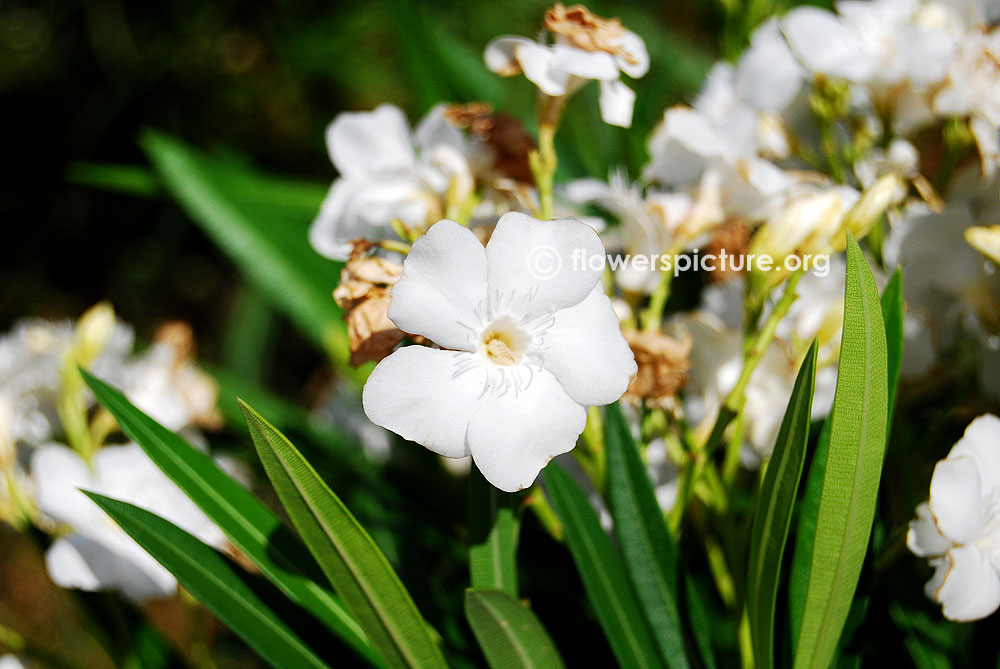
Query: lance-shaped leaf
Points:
[773, 515]
[348, 556]
[494, 529]
[647, 546]
[853, 468]
[603, 573]
[262, 223]
[250, 525]
[892, 313]
[214, 582]
[509, 634]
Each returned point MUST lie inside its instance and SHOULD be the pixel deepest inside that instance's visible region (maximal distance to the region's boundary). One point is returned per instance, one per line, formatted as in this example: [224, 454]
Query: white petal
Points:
[422, 395]
[361, 207]
[67, 568]
[824, 45]
[58, 472]
[87, 564]
[363, 143]
[956, 498]
[583, 64]
[981, 442]
[513, 436]
[586, 351]
[923, 537]
[536, 61]
[988, 142]
[971, 587]
[500, 56]
[434, 130]
[443, 281]
[768, 76]
[539, 266]
[617, 101]
[636, 48]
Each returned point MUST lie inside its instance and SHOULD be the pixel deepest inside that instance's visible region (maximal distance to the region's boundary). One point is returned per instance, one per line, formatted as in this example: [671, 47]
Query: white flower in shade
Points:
[973, 89]
[11, 661]
[585, 47]
[531, 337]
[959, 527]
[389, 172]
[96, 554]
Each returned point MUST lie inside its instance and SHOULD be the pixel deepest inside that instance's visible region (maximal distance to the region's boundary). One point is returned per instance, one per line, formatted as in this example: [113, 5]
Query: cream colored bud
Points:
[986, 240]
[889, 190]
[806, 224]
[93, 331]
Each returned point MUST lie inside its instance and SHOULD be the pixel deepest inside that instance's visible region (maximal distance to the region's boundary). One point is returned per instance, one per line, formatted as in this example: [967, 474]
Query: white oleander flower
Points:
[530, 339]
[958, 528]
[169, 388]
[973, 89]
[11, 661]
[882, 42]
[585, 47]
[388, 172]
[96, 554]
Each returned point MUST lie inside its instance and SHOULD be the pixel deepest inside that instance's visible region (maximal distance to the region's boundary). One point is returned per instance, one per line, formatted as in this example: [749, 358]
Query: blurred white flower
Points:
[882, 42]
[584, 47]
[716, 363]
[973, 89]
[958, 529]
[533, 340]
[388, 172]
[96, 554]
[11, 661]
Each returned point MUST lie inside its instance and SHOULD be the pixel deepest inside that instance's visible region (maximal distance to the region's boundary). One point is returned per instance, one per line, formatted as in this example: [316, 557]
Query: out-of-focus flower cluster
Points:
[55, 441]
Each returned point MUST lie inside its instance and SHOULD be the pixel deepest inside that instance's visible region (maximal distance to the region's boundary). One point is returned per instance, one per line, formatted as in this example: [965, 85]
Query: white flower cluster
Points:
[52, 444]
[881, 119]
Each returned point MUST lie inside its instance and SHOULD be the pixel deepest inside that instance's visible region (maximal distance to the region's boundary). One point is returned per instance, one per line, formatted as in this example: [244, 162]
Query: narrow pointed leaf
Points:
[214, 582]
[349, 557]
[493, 542]
[262, 223]
[647, 546]
[602, 572]
[892, 313]
[250, 525]
[510, 635]
[773, 515]
[853, 468]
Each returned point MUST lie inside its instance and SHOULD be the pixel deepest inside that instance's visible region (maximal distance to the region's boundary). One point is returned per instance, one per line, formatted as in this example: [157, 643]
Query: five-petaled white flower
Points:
[585, 47]
[959, 527]
[532, 341]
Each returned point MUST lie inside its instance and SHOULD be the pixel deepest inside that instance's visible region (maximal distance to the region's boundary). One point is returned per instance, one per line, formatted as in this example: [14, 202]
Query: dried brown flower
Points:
[503, 134]
[663, 364]
[364, 295]
[733, 238]
[585, 30]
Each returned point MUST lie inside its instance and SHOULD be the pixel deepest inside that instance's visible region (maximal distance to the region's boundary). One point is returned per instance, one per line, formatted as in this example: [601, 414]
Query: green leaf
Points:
[701, 622]
[892, 313]
[647, 545]
[212, 580]
[251, 526]
[603, 573]
[350, 559]
[262, 223]
[853, 468]
[133, 180]
[508, 632]
[494, 532]
[773, 515]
